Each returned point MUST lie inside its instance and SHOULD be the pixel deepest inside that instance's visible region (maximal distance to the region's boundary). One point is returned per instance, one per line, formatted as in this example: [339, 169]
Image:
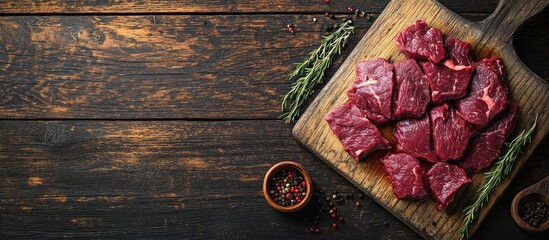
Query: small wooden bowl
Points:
[290, 166]
[538, 192]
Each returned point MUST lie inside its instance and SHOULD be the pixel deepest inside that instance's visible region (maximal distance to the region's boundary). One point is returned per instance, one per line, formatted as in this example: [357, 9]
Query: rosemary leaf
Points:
[502, 167]
[311, 71]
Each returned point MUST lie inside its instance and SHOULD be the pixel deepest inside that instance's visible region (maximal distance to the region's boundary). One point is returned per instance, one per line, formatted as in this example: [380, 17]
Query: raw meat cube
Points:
[406, 175]
[450, 79]
[372, 90]
[421, 42]
[487, 96]
[413, 136]
[444, 180]
[357, 134]
[459, 52]
[412, 90]
[451, 132]
[485, 147]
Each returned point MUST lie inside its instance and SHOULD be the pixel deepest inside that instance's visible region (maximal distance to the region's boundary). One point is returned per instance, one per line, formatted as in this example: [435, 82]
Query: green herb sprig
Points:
[502, 167]
[312, 71]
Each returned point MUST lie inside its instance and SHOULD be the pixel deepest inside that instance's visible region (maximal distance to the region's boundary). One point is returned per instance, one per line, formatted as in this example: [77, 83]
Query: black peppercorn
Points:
[534, 213]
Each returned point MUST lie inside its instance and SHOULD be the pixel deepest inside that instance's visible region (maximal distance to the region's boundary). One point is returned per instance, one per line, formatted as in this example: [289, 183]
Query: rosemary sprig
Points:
[312, 70]
[502, 167]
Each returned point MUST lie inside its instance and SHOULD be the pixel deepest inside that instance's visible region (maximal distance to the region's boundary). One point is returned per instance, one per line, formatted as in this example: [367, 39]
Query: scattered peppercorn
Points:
[327, 1]
[534, 213]
[291, 28]
[358, 204]
[350, 9]
[286, 188]
[327, 201]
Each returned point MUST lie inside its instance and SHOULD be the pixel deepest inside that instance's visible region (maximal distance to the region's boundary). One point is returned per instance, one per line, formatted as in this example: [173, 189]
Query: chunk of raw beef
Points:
[458, 52]
[372, 90]
[412, 90]
[451, 132]
[406, 175]
[421, 42]
[485, 147]
[450, 79]
[444, 180]
[357, 134]
[487, 96]
[413, 136]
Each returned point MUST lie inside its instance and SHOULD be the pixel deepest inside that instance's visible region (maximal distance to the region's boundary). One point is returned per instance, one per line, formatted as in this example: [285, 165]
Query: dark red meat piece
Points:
[451, 132]
[406, 175]
[413, 136]
[357, 134]
[450, 79]
[458, 52]
[421, 42]
[412, 90]
[487, 96]
[372, 90]
[444, 180]
[485, 147]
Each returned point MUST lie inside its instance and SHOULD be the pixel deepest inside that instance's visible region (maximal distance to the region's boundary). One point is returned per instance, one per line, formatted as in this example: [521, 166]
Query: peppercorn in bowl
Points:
[287, 186]
[531, 212]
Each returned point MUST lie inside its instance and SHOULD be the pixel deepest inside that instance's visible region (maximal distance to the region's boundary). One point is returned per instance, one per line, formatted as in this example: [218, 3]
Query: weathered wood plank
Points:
[177, 179]
[215, 6]
[169, 66]
[157, 179]
[151, 66]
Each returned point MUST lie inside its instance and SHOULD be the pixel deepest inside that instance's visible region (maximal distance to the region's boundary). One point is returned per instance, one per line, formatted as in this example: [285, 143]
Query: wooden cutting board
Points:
[490, 37]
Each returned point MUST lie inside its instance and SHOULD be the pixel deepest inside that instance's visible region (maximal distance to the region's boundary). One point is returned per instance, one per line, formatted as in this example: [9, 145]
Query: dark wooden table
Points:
[158, 119]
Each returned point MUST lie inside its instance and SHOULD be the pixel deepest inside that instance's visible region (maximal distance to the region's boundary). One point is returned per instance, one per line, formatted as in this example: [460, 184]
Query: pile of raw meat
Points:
[452, 114]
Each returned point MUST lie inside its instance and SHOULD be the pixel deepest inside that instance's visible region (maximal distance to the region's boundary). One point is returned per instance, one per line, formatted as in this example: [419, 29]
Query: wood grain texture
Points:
[124, 67]
[491, 37]
[159, 179]
[215, 6]
[183, 67]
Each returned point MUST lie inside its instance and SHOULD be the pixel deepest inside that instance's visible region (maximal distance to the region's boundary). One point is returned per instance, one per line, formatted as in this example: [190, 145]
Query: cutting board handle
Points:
[510, 15]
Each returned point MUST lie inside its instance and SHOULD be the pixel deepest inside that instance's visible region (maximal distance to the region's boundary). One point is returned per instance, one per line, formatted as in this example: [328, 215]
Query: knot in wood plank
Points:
[56, 134]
